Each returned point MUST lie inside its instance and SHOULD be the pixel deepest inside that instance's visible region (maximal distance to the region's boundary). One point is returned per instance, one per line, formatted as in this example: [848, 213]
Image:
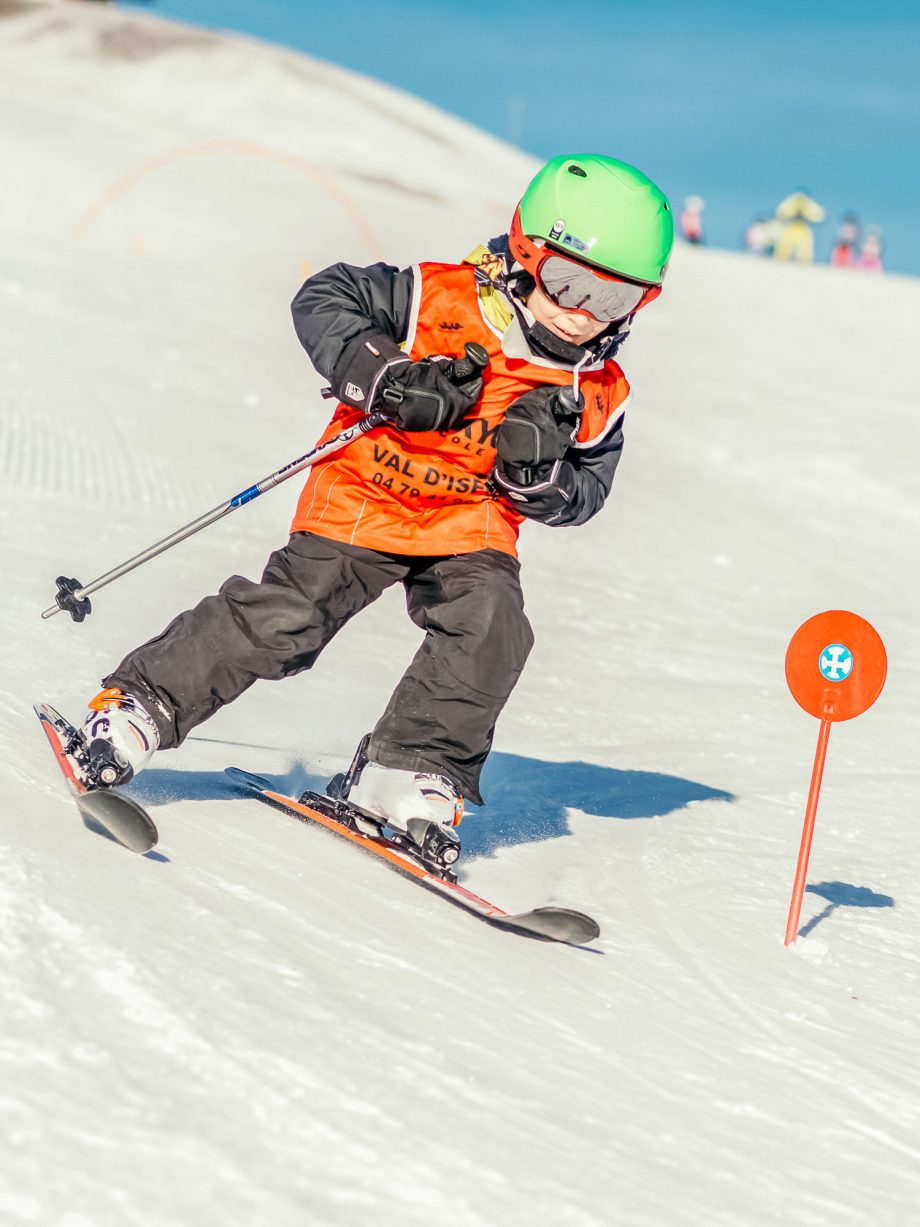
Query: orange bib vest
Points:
[426, 492]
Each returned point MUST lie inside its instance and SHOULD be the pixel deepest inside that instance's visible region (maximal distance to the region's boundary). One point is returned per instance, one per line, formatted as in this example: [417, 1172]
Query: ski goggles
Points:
[575, 287]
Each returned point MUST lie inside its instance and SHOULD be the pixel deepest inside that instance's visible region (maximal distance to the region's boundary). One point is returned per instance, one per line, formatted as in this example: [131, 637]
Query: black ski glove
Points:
[426, 395]
[536, 432]
[373, 373]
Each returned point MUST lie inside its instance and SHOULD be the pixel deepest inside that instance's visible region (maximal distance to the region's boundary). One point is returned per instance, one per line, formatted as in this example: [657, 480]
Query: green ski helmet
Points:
[600, 212]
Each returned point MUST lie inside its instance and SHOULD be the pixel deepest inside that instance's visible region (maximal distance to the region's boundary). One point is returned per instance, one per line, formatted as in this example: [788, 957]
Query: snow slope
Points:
[254, 1024]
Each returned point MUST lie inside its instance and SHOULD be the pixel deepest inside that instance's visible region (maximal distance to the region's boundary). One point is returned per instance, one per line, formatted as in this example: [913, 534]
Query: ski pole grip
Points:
[566, 404]
[471, 366]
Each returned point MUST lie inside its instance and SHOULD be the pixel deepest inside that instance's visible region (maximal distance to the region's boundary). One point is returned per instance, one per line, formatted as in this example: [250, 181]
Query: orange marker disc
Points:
[836, 665]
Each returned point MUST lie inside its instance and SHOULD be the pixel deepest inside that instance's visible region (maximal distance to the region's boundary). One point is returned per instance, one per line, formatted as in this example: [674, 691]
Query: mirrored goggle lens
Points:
[576, 288]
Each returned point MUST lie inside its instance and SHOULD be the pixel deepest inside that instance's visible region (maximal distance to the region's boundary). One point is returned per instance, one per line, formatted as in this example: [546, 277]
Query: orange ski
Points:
[557, 924]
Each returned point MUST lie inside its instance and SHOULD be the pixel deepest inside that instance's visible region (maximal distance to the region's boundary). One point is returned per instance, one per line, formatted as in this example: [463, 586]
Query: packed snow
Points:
[255, 1024]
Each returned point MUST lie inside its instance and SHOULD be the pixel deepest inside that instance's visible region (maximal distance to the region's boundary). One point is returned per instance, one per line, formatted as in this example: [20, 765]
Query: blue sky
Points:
[737, 102]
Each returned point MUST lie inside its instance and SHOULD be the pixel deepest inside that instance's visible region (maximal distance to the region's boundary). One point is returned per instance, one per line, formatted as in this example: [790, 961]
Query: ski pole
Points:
[74, 596]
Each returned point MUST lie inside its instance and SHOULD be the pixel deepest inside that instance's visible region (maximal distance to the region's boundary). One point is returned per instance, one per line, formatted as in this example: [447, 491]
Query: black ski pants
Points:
[442, 715]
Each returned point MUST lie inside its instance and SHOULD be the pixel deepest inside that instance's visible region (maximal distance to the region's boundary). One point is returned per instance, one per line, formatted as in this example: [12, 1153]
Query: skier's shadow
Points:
[527, 798]
[842, 894]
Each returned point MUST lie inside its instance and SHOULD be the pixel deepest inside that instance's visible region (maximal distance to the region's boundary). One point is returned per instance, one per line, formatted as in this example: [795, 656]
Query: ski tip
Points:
[557, 924]
[120, 817]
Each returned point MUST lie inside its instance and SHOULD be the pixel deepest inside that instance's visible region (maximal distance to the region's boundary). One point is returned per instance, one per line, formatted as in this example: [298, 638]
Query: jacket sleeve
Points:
[575, 488]
[343, 301]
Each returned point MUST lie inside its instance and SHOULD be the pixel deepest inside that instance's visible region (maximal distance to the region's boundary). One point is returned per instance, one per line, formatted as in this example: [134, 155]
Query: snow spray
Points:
[835, 667]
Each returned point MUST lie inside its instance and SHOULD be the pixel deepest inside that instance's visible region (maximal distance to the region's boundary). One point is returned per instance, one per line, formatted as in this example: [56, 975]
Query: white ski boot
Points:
[120, 739]
[422, 807]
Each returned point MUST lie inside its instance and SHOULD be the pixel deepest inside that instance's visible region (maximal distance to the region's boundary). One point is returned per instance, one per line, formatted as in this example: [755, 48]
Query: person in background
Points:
[691, 219]
[759, 238]
[796, 216]
[870, 254]
[844, 253]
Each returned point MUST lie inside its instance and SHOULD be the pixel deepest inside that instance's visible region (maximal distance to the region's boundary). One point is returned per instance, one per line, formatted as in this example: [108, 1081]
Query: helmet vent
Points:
[577, 170]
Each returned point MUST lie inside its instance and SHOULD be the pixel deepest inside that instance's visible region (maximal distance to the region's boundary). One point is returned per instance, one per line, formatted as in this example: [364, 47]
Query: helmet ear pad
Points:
[524, 249]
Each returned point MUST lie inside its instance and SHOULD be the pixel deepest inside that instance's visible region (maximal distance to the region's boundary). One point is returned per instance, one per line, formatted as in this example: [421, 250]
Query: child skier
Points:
[434, 498]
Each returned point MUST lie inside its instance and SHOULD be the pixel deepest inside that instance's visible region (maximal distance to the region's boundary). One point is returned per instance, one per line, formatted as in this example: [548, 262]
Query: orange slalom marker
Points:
[835, 667]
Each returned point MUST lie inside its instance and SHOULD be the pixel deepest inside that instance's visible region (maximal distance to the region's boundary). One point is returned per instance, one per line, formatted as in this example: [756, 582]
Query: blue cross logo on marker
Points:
[836, 662]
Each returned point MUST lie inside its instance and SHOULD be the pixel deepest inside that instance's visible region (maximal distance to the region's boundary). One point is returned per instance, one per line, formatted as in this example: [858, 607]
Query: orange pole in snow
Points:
[801, 870]
[835, 667]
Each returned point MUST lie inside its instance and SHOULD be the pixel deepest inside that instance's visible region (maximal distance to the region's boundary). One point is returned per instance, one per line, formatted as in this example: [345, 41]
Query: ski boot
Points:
[117, 740]
[422, 808]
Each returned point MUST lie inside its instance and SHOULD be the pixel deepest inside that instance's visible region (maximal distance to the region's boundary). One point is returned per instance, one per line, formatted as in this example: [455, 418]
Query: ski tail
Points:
[59, 733]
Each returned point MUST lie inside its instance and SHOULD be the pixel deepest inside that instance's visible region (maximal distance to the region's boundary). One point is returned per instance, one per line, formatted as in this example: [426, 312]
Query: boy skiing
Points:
[433, 498]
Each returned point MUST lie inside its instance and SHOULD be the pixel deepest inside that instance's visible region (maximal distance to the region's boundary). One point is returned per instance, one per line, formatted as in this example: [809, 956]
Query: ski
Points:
[556, 924]
[108, 810]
